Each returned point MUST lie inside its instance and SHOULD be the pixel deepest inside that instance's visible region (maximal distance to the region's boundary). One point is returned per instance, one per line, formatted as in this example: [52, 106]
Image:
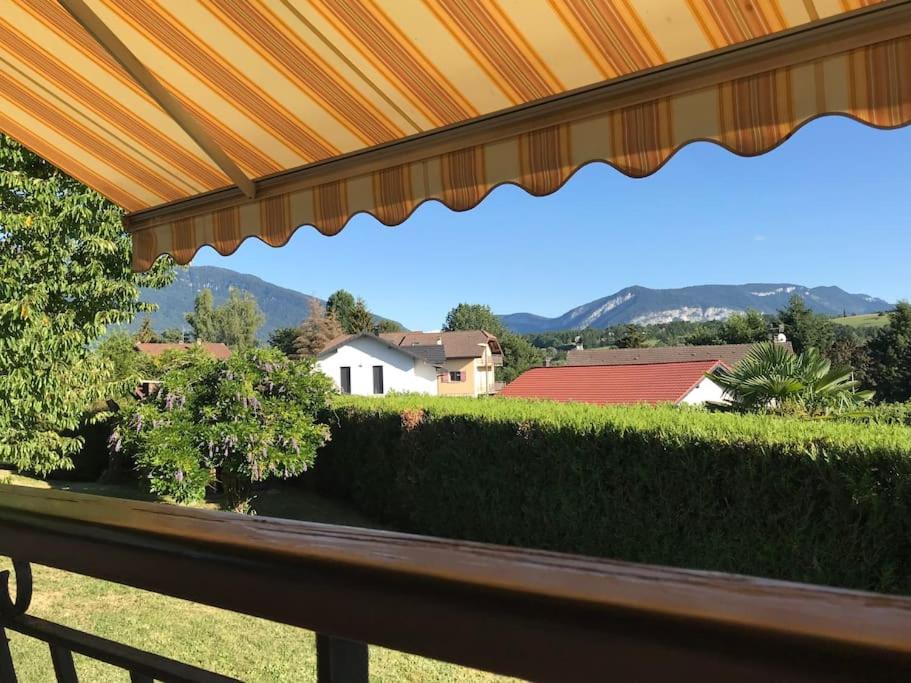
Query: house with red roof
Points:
[675, 382]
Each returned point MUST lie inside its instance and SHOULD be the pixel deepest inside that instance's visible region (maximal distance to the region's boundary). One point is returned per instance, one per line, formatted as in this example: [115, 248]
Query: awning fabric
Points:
[336, 107]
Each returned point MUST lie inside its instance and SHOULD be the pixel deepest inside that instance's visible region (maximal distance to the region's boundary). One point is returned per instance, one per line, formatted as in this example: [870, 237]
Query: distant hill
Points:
[282, 307]
[646, 306]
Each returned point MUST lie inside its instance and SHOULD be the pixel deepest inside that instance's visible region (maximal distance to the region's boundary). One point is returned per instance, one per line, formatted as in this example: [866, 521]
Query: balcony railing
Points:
[525, 613]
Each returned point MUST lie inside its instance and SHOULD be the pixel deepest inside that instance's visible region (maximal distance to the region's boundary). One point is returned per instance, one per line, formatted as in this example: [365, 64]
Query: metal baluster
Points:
[340, 661]
[7, 670]
[9, 608]
[63, 664]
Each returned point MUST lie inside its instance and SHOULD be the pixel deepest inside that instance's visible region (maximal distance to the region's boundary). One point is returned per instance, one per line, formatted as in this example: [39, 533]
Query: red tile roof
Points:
[216, 350]
[654, 383]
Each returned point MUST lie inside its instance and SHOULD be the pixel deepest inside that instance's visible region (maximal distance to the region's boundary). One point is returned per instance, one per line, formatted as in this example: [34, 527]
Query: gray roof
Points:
[434, 354]
[729, 354]
[457, 344]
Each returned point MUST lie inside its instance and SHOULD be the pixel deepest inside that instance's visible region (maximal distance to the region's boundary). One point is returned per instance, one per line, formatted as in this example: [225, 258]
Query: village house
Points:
[460, 363]
[470, 358]
[676, 383]
[366, 365]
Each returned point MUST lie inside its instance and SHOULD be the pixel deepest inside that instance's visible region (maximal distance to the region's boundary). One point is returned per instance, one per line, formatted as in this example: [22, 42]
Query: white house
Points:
[366, 365]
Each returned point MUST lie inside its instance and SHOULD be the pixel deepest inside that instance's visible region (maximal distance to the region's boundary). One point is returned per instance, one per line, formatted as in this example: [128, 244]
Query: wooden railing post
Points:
[340, 661]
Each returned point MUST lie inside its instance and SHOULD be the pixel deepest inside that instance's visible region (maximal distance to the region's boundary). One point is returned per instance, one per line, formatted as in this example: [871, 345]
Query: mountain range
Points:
[645, 306]
[285, 307]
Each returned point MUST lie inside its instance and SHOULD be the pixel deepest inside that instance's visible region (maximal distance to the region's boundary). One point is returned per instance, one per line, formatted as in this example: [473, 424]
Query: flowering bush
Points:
[233, 423]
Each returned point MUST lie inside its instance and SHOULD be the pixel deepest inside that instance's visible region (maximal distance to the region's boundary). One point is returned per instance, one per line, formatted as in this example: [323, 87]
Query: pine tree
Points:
[360, 319]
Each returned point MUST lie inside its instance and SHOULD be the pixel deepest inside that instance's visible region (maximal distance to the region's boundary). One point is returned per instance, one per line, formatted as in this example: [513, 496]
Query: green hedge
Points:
[887, 413]
[823, 502]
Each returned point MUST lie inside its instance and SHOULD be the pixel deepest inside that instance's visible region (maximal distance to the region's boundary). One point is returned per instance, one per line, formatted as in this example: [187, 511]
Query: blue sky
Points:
[832, 206]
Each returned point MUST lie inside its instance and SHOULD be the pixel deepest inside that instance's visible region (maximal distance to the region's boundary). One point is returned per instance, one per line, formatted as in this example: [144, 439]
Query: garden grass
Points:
[237, 645]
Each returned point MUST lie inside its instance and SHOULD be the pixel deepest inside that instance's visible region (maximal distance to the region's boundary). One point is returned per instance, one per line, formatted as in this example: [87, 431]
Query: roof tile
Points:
[604, 384]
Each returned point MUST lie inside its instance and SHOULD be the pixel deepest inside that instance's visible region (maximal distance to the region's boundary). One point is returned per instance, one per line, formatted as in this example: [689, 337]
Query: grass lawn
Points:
[866, 320]
[245, 647]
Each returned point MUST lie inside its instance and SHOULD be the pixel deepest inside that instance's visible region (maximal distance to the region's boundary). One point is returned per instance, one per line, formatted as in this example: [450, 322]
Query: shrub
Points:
[826, 502]
[886, 413]
[771, 378]
[234, 422]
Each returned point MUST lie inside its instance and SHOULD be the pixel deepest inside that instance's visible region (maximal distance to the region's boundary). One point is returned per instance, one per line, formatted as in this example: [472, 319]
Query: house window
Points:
[456, 376]
[346, 380]
[377, 379]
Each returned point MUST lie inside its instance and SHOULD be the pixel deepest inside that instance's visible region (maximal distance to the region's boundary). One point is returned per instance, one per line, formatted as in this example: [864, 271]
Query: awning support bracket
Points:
[115, 47]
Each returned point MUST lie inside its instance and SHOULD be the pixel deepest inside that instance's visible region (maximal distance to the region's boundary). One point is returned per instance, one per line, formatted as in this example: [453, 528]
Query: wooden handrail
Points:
[528, 613]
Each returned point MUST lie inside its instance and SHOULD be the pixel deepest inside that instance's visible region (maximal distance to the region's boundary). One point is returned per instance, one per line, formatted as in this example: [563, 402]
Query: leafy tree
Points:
[745, 328]
[341, 304]
[234, 422]
[890, 356]
[474, 317]
[238, 320]
[145, 333]
[119, 350]
[704, 335]
[360, 319]
[804, 328]
[317, 330]
[202, 319]
[282, 338]
[387, 326]
[234, 323]
[172, 335]
[851, 351]
[770, 377]
[518, 353]
[633, 337]
[518, 356]
[65, 275]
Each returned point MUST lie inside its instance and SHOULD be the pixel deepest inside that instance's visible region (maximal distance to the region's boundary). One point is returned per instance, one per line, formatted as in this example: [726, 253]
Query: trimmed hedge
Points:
[822, 502]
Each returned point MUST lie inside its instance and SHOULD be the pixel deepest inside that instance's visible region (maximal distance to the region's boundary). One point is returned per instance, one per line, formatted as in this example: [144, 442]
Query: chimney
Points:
[547, 362]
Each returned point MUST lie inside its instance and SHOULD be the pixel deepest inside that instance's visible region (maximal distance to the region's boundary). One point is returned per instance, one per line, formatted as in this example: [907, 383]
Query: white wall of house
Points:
[401, 372]
[704, 392]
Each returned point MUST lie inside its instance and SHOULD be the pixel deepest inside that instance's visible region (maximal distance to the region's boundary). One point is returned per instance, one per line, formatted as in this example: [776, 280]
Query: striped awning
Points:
[210, 121]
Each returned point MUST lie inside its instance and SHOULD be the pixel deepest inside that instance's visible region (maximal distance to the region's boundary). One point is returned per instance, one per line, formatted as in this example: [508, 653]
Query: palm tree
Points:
[771, 377]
